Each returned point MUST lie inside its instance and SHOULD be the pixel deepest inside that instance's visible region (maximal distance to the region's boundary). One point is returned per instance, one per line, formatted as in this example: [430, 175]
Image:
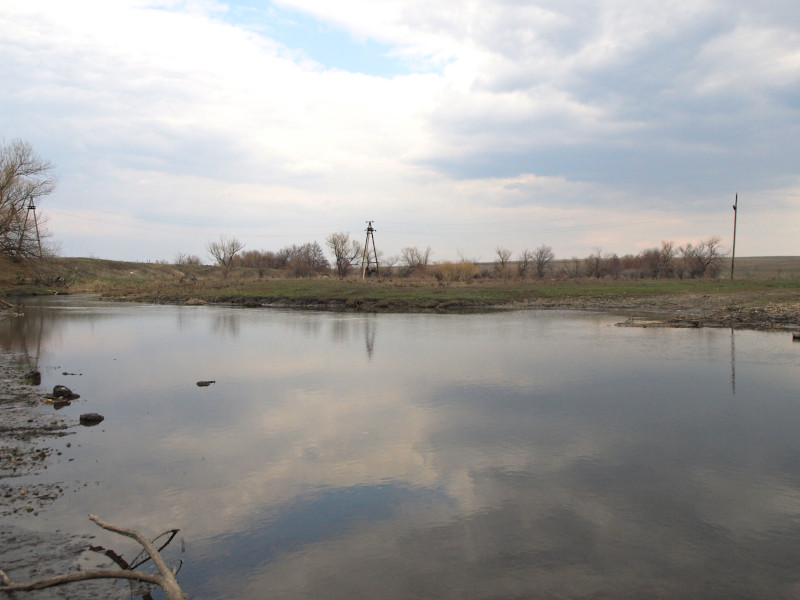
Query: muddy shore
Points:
[24, 431]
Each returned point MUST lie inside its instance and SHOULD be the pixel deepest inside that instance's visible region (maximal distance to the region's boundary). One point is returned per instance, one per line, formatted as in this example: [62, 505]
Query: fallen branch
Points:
[165, 579]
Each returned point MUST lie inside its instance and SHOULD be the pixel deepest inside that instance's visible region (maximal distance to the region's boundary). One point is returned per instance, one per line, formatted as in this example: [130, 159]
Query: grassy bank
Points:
[196, 284]
[402, 294]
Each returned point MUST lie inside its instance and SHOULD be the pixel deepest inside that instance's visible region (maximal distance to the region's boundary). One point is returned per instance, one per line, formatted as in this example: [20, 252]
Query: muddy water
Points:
[523, 454]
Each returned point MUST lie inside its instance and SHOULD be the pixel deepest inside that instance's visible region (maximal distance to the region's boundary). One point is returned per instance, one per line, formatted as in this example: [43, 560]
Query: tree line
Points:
[693, 260]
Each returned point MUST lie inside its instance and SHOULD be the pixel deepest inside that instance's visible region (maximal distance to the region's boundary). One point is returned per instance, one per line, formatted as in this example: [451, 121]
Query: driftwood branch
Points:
[165, 578]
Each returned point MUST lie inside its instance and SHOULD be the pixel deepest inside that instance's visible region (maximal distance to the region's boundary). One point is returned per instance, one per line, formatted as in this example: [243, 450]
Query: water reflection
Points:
[733, 361]
[406, 456]
[370, 327]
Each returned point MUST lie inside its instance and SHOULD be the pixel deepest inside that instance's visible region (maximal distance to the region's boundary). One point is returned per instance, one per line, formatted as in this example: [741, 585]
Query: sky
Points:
[460, 126]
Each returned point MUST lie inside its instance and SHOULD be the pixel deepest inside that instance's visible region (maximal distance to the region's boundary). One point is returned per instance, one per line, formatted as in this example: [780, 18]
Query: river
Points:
[517, 454]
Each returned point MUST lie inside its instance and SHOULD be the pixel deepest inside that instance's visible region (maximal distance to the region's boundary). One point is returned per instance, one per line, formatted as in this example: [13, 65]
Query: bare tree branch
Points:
[165, 579]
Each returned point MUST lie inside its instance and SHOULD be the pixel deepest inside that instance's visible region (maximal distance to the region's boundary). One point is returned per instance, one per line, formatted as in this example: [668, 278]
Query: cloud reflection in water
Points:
[526, 454]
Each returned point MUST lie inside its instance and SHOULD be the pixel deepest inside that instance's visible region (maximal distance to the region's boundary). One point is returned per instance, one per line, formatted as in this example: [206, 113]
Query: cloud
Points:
[642, 107]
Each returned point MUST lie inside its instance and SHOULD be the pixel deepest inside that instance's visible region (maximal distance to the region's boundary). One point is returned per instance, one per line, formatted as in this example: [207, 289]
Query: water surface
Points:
[524, 454]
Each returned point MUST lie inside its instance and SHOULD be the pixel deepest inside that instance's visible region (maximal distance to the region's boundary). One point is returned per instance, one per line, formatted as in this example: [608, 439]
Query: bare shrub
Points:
[462, 271]
[186, 259]
[416, 260]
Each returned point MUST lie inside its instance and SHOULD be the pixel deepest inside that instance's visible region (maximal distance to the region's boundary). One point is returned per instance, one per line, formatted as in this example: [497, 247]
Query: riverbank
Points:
[764, 295]
[766, 304]
[747, 304]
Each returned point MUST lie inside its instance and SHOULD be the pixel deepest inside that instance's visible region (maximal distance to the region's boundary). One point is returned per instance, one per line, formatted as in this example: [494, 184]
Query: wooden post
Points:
[733, 251]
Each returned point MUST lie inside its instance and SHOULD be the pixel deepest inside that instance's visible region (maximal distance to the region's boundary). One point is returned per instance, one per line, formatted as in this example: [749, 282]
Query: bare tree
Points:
[345, 252]
[524, 261]
[281, 258]
[543, 257]
[500, 264]
[387, 262]
[592, 264]
[572, 267]
[307, 260]
[224, 251]
[611, 265]
[24, 178]
[668, 253]
[651, 259]
[416, 260]
[703, 260]
[658, 261]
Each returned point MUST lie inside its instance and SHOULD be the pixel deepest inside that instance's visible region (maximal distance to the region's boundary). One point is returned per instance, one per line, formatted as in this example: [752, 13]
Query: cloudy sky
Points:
[459, 125]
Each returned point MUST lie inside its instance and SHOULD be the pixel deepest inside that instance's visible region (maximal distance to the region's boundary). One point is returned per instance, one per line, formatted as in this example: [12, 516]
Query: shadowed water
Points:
[523, 454]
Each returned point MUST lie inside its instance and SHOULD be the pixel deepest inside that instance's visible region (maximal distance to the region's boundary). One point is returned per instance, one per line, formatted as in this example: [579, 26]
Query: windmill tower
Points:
[31, 209]
[366, 259]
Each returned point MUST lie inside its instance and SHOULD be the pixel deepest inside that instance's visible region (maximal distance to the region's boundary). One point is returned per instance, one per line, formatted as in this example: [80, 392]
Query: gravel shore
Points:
[757, 311]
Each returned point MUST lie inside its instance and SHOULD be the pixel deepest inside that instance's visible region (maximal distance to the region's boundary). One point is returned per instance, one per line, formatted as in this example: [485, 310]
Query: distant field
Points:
[778, 267]
[767, 267]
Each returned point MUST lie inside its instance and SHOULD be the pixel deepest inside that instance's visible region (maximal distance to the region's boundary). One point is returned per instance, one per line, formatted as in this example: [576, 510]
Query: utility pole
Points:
[733, 251]
[365, 258]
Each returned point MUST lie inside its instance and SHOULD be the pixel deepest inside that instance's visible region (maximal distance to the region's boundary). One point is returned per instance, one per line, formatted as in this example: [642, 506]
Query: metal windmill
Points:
[31, 209]
[366, 258]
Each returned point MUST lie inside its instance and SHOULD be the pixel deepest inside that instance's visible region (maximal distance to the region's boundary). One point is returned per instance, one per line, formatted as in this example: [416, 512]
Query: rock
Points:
[62, 392]
[33, 378]
[205, 383]
[91, 418]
